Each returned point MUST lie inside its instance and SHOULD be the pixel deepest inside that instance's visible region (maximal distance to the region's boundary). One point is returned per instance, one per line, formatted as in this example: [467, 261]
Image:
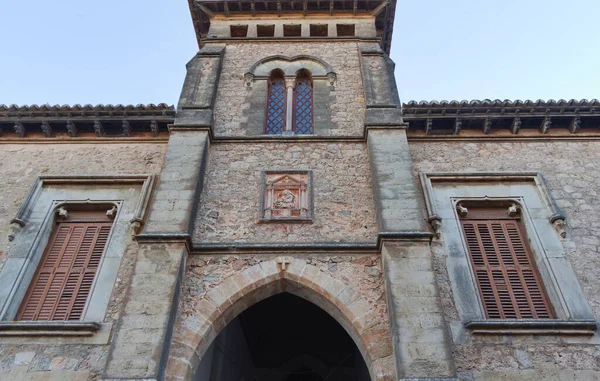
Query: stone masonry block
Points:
[218, 298]
[270, 271]
[295, 269]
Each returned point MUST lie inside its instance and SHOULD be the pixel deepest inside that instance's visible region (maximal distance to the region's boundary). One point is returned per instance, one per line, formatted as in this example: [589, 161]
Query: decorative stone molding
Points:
[290, 66]
[99, 128]
[62, 212]
[461, 210]
[493, 117]
[286, 196]
[559, 224]
[71, 129]
[332, 78]
[19, 129]
[126, 128]
[557, 219]
[533, 327]
[249, 78]
[48, 328]
[126, 197]
[47, 129]
[514, 210]
[141, 208]
[154, 128]
[436, 224]
[525, 196]
[283, 262]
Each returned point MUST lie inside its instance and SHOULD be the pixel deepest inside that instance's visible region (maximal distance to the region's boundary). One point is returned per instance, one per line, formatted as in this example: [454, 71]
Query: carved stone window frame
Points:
[309, 207]
[128, 197]
[323, 80]
[445, 192]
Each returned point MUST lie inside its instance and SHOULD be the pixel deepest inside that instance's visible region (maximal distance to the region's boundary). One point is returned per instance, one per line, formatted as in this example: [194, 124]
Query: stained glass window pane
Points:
[276, 107]
[303, 122]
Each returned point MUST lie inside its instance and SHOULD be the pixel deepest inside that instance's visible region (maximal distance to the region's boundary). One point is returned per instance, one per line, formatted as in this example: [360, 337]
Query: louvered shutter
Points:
[509, 283]
[63, 280]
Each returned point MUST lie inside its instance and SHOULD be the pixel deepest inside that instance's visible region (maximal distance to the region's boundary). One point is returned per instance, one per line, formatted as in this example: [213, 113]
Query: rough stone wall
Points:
[343, 200]
[19, 165]
[362, 272]
[573, 178]
[347, 102]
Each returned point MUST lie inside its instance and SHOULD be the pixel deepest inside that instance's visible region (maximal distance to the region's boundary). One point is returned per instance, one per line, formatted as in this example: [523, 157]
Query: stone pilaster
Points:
[141, 347]
[199, 90]
[420, 340]
[397, 199]
[180, 184]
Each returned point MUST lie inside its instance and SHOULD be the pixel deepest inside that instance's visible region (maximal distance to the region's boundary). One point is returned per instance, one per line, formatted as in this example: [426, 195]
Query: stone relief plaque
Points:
[286, 196]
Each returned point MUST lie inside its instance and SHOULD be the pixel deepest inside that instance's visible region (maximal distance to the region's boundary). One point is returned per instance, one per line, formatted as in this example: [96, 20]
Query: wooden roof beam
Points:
[206, 10]
[380, 8]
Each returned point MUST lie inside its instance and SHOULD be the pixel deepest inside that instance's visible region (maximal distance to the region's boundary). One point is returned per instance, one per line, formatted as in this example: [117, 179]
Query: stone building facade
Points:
[291, 219]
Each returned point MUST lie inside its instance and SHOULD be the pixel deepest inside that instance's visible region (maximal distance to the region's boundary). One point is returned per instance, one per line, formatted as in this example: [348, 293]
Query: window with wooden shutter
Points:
[509, 282]
[63, 281]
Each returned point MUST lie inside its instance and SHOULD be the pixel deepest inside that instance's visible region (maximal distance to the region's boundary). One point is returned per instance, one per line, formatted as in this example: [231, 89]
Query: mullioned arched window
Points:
[276, 104]
[303, 104]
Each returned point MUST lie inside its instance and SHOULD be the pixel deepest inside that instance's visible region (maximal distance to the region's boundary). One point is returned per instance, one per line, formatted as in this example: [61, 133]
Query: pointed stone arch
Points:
[194, 333]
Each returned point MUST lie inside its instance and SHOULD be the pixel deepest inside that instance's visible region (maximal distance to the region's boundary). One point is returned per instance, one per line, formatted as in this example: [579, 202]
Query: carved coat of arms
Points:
[286, 196]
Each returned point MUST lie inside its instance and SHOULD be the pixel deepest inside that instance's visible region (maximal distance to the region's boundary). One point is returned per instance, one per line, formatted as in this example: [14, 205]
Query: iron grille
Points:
[276, 107]
[304, 107]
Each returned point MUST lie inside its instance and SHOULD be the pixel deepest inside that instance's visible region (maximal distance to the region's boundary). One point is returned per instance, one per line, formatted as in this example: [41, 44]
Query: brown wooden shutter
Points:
[509, 283]
[63, 281]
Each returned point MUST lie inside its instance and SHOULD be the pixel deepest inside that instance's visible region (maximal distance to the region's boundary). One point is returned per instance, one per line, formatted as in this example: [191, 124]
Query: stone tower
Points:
[290, 221]
[288, 171]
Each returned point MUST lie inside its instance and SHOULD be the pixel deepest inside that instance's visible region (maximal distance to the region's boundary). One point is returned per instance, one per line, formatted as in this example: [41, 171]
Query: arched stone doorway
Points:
[282, 338]
[196, 330]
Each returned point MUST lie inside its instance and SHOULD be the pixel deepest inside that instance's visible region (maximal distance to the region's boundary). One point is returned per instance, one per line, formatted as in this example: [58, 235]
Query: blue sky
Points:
[134, 51]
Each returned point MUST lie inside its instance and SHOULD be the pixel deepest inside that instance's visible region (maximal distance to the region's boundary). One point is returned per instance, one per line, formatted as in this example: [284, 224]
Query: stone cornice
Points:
[487, 117]
[203, 11]
[100, 121]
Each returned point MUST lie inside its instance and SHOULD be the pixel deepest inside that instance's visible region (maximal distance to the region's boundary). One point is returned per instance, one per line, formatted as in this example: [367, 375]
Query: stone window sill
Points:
[48, 328]
[284, 220]
[533, 327]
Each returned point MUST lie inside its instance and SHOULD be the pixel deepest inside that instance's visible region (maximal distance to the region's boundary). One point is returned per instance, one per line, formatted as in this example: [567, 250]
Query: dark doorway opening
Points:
[283, 338]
